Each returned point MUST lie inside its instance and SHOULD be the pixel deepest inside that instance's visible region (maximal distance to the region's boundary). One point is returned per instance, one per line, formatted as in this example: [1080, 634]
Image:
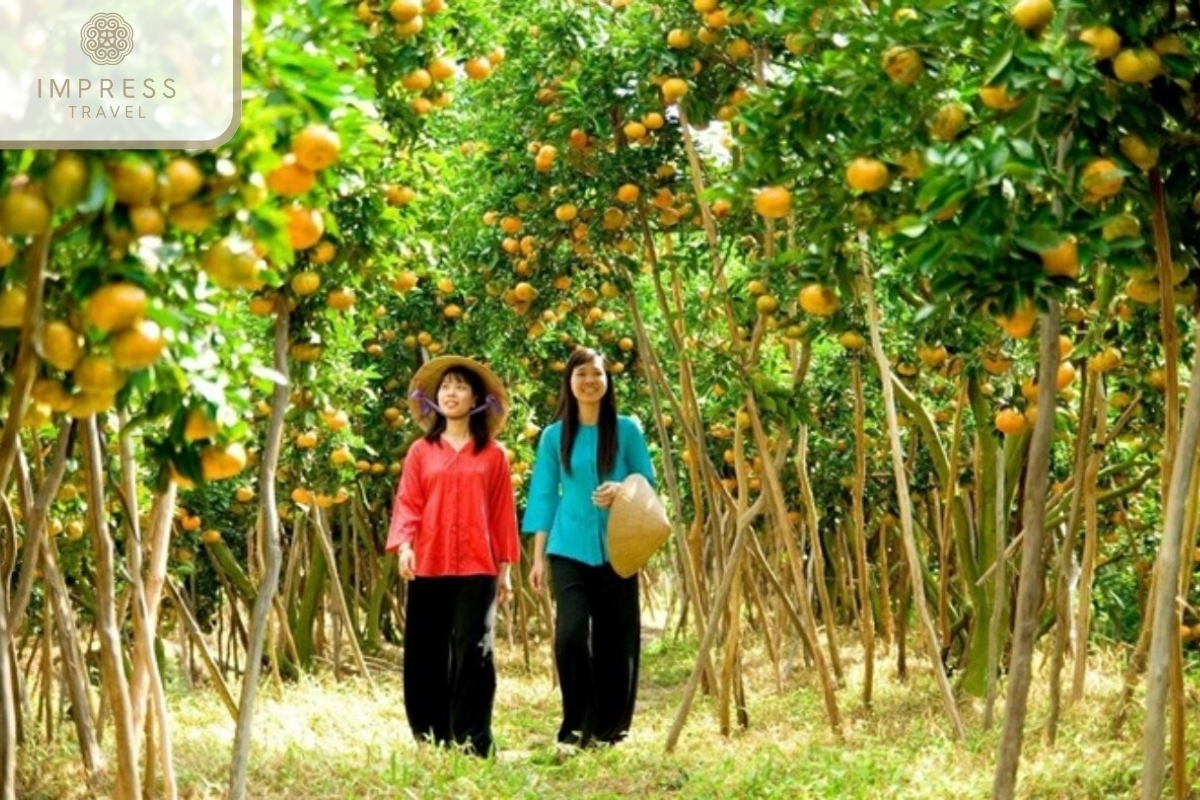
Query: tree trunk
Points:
[1029, 591]
[906, 518]
[268, 530]
[866, 618]
[1164, 611]
[112, 668]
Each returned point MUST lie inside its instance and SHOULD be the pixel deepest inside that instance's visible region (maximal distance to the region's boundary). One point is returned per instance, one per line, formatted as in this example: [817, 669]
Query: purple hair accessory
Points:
[427, 404]
[490, 403]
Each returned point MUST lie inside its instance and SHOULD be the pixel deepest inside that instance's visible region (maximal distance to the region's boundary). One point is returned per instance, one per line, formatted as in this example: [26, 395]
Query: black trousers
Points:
[449, 669]
[597, 643]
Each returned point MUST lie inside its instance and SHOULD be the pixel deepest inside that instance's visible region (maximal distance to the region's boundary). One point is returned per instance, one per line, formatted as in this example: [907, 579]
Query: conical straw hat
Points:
[429, 377]
[637, 526]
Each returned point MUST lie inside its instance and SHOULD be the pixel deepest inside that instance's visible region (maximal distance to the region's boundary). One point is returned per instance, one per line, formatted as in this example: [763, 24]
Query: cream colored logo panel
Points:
[147, 74]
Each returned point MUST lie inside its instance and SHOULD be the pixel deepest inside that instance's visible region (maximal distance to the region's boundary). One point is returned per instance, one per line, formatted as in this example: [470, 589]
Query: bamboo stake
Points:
[1062, 585]
[1164, 609]
[1029, 591]
[906, 522]
[112, 669]
[710, 631]
[338, 596]
[867, 617]
[268, 530]
[1083, 611]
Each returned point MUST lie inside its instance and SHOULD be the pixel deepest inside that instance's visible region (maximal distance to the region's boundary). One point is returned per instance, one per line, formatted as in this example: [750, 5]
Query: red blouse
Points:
[456, 509]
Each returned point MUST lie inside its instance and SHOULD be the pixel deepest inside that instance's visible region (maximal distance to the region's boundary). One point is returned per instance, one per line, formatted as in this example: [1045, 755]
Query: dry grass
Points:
[328, 739]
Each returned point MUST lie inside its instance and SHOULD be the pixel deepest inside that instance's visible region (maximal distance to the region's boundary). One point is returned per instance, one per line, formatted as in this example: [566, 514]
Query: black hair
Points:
[478, 422]
[568, 413]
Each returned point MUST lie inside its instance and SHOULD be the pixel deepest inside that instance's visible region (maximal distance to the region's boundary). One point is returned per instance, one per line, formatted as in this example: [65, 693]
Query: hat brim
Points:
[637, 525]
[429, 377]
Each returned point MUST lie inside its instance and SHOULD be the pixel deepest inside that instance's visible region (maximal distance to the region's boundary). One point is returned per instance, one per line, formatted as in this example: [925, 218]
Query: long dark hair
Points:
[478, 423]
[568, 412]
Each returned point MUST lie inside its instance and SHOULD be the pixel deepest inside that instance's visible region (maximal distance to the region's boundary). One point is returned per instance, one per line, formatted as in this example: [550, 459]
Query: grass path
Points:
[328, 739]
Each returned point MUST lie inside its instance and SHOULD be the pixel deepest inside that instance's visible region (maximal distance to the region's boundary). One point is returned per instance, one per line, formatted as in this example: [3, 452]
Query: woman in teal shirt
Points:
[582, 458]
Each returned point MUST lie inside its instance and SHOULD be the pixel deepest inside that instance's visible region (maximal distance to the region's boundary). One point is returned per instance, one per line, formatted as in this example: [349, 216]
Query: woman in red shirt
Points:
[454, 526]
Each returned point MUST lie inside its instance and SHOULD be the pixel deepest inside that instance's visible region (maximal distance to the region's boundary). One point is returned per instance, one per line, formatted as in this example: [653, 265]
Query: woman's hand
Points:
[537, 574]
[504, 588]
[408, 562]
[605, 493]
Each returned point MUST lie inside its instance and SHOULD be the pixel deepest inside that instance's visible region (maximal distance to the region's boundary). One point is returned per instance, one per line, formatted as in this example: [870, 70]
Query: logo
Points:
[106, 39]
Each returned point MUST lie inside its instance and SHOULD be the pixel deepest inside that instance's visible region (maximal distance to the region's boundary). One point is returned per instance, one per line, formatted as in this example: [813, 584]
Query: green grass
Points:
[327, 739]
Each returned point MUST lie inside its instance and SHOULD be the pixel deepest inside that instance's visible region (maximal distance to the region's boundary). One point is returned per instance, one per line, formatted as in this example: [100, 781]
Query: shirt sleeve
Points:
[637, 452]
[502, 508]
[409, 502]
[543, 487]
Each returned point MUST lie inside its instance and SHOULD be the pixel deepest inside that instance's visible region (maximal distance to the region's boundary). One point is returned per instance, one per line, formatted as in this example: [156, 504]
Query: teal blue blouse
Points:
[561, 504]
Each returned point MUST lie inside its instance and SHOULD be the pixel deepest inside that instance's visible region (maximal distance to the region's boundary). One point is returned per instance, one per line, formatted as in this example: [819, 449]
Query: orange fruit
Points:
[316, 147]
[867, 174]
[996, 97]
[1137, 65]
[24, 213]
[12, 307]
[289, 178]
[773, 202]
[404, 10]
[852, 340]
[220, 462]
[903, 65]
[99, 375]
[566, 212]
[1140, 154]
[139, 346]
[323, 253]
[1106, 360]
[181, 180]
[147, 221]
[478, 68]
[948, 122]
[412, 27]
[1066, 374]
[628, 193]
[115, 307]
[134, 181]
[417, 81]
[8, 253]
[679, 39]
[634, 131]
[192, 217]
[341, 299]
[673, 90]
[305, 227]
[232, 263]
[441, 68]
[654, 121]
[61, 345]
[1009, 421]
[819, 300]
[306, 282]
[1101, 178]
[1033, 15]
[1105, 41]
[1020, 323]
[67, 180]
[1062, 260]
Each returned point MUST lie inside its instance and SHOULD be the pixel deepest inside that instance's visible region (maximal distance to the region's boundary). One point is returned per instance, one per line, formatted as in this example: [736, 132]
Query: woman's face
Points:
[589, 381]
[455, 396]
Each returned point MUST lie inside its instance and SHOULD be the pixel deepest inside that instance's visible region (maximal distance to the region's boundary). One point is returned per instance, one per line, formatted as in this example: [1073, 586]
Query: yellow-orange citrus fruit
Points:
[773, 202]
[115, 306]
[867, 174]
